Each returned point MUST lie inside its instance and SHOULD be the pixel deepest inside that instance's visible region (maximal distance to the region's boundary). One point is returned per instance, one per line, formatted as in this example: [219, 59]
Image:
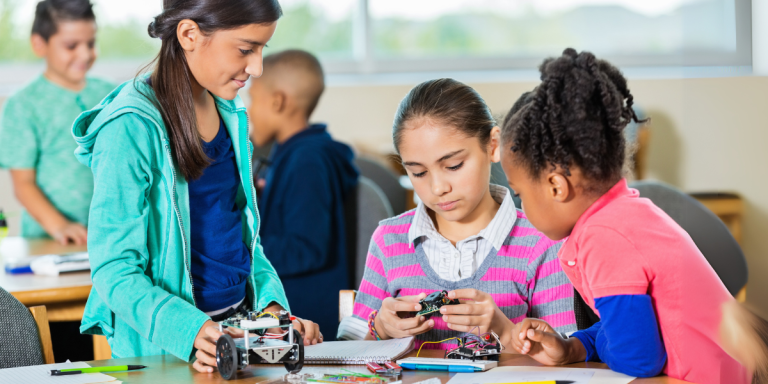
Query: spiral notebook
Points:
[357, 352]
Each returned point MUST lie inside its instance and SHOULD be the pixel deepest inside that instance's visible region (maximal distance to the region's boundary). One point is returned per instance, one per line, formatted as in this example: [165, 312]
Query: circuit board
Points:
[255, 321]
[433, 302]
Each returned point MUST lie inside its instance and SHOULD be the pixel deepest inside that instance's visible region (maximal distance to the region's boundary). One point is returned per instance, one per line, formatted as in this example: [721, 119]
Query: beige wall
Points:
[707, 134]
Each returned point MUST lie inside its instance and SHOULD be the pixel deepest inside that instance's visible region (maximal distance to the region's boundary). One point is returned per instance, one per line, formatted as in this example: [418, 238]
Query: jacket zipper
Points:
[181, 225]
[253, 198]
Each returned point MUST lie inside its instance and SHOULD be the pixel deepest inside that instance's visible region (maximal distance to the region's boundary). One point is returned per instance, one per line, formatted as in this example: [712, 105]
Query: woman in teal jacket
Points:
[149, 144]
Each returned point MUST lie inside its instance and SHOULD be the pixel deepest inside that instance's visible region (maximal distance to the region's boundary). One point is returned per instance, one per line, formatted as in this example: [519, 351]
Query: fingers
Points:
[206, 346]
[465, 309]
[61, 238]
[394, 305]
[547, 339]
[311, 332]
[200, 367]
[234, 332]
[207, 343]
[424, 327]
[411, 323]
[519, 339]
[397, 327]
[213, 332]
[467, 293]
[206, 358]
[79, 235]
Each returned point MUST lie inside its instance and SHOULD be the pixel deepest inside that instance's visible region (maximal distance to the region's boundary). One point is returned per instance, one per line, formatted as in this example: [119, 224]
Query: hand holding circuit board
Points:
[431, 304]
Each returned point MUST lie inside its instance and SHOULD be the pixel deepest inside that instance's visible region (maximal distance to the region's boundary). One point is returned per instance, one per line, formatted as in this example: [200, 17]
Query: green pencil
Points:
[114, 368]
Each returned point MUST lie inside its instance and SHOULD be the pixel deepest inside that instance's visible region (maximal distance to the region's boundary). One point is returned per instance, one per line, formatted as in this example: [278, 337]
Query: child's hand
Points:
[310, 331]
[537, 339]
[396, 320]
[205, 342]
[70, 232]
[477, 309]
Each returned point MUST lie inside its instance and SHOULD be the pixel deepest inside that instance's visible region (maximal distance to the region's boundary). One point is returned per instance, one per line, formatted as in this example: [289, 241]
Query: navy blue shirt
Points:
[221, 261]
[303, 231]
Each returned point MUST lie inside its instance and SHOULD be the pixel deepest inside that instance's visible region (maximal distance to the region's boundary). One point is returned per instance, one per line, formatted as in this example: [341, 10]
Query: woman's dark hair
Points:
[574, 117]
[171, 78]
[449, 102]
[50, 12]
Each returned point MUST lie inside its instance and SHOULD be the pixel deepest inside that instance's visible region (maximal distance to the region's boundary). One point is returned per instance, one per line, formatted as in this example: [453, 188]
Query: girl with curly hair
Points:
[658, 299]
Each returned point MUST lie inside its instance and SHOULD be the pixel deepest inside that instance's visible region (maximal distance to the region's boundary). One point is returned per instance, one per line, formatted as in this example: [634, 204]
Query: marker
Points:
[449, 368]
[115, 368]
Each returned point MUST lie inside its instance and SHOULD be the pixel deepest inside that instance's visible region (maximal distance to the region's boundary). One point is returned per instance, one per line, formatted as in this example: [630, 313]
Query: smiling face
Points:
[69, 53]
[450, 171]
[222, 61]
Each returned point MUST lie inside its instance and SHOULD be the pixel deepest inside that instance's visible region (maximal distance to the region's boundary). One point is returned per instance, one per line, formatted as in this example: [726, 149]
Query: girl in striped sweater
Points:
[465, 237]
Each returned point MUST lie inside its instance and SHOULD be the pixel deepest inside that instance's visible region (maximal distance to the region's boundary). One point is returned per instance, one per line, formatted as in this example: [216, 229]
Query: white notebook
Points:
[357, 352]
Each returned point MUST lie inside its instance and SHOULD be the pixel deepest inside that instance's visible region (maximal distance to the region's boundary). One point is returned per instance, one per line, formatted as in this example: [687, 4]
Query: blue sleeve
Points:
[627, 337]
[302, 244]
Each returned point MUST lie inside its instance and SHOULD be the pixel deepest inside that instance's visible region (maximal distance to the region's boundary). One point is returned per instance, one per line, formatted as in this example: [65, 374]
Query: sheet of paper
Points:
[598, 376]
[497, 376]
[41, 374]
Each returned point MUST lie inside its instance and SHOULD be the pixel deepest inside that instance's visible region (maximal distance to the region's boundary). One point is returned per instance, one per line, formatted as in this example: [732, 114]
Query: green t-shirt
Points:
[36, 133]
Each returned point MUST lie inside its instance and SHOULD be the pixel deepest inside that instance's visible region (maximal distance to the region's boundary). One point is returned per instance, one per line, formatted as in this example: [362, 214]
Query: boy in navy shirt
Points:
[303, 190]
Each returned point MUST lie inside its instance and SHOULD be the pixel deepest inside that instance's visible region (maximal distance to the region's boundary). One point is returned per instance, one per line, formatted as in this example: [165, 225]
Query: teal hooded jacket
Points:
[139, 226]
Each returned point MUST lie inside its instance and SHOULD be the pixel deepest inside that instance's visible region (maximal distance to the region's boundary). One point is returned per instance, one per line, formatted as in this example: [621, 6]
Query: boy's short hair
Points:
[50, 12]
[297, 64]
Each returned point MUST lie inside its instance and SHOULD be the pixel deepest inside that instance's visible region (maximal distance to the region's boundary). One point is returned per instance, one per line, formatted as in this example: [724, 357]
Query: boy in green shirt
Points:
[36, 143]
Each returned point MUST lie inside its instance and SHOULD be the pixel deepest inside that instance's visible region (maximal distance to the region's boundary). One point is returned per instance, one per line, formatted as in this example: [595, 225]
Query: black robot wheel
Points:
[226, 356]
[295, 366]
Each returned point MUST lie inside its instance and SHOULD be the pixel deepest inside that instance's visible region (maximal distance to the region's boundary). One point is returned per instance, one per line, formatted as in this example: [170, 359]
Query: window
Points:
[381, 36]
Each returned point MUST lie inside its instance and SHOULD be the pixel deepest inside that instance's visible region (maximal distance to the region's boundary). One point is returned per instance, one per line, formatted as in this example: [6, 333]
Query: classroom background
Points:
[697, 68]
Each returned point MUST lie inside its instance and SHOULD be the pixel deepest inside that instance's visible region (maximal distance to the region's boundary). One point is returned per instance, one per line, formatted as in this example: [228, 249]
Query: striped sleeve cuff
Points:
[352, 328]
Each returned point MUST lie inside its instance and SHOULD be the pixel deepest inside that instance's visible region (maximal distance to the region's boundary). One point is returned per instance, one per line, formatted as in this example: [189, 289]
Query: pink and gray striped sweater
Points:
[523, 277]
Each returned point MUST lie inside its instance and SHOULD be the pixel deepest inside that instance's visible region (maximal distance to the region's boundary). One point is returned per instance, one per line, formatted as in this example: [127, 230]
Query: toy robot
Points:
[288, 347]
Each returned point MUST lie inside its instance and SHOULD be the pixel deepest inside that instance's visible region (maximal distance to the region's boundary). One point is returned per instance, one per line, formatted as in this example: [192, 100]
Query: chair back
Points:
[711, 236]
[21, 338]
[363, 212]
[388, 182]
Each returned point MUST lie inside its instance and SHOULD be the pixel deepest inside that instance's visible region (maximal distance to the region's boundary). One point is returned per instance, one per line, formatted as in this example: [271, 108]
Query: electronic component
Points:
[285, 347]
[476, 347]
[433, 302]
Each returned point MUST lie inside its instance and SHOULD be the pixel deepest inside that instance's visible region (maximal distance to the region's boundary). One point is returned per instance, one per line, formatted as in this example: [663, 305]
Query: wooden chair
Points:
[346, 303]
[40, 314]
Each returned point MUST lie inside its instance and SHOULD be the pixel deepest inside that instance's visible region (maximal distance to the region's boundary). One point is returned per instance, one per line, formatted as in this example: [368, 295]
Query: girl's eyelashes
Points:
[456, 167]
[420, 174]
[246, 52]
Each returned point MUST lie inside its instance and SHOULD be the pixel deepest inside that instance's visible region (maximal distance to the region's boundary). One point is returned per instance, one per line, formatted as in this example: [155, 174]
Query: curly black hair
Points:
[575, 117]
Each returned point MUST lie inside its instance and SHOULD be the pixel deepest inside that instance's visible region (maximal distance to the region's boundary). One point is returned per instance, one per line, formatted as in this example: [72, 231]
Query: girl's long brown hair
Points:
[171, 78]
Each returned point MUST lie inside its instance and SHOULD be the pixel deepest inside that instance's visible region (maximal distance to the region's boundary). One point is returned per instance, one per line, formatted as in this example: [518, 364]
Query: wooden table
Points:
[64, 296]
[169, 370]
